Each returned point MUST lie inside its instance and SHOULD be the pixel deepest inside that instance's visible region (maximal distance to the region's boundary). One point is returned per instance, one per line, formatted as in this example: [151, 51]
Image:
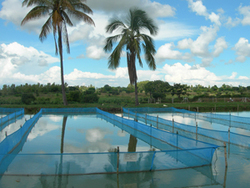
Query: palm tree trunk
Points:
[135, 81]
[136, 94]
[61, 63]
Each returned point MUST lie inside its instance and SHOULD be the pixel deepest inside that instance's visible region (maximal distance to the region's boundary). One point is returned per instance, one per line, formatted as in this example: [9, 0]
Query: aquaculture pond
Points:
[92, 134]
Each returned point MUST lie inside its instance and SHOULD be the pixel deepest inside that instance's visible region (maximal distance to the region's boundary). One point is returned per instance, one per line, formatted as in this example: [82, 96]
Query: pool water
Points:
[78, 134]
[92, 134]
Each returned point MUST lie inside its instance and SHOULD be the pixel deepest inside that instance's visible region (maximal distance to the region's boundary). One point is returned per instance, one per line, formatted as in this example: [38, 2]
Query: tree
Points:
[157, 89]
[58, 12]
[179, 89]
[133, 41]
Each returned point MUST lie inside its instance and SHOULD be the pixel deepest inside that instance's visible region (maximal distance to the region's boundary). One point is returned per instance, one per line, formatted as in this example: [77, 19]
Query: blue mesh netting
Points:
[176, 151]
[233, 121]
[13, 113]
[224, 136]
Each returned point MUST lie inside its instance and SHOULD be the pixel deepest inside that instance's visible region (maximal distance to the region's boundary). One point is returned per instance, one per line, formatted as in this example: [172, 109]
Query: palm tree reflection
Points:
[132, 143]
[59, 168]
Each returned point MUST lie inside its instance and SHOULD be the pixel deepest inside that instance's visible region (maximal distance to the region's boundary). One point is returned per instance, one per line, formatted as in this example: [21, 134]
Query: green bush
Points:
[74, 96]
[28, 98]
[89, 96]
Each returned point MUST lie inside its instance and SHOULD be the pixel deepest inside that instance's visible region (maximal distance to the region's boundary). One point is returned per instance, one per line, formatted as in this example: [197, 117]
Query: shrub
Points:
[89, 96]
[73, 96]
[27, 98]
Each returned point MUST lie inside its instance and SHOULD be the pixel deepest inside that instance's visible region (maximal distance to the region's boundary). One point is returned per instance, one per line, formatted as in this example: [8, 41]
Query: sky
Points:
[202, 42]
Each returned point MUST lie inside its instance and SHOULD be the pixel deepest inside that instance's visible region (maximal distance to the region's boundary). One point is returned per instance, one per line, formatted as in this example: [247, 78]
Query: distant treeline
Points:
[150, 87]
[150, 91]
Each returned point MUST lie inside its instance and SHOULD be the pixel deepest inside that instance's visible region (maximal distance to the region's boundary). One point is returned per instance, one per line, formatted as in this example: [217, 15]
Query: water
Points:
[90, 134]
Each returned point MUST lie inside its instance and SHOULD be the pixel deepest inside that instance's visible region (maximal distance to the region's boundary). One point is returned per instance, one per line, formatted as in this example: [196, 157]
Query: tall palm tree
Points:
[58, 12]
[132, 39]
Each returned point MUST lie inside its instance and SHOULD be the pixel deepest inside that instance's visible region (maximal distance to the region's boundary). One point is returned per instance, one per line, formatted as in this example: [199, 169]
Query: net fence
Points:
[185, 129]
[175, 151]
[228, 120]
[12, 114]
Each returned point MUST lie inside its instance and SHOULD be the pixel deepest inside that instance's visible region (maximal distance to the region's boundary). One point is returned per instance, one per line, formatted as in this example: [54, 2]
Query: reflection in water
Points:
[63, 132]
[176, 178]
[132, 144]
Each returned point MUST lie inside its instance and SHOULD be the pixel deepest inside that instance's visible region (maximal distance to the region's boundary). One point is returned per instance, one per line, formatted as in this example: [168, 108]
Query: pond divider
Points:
[175, 151]
[191, 131]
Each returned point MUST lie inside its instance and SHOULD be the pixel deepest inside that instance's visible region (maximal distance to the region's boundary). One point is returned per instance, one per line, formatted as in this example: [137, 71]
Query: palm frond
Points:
[45, 29]
[65, 36]
[109, 42]
[29, 3]
[34, 13]
[139, 20]
[66, 18]
[114, 58]
[114, 24]
[80, 15]
[82, 7]
[149, 58]
[148, 43]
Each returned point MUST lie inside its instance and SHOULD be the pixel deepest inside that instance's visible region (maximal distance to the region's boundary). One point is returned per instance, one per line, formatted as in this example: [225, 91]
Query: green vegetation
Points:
[159, 94]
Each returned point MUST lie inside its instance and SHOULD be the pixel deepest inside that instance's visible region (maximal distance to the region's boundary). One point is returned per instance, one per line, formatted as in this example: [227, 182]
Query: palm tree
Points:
[132, 39]
[58, 12]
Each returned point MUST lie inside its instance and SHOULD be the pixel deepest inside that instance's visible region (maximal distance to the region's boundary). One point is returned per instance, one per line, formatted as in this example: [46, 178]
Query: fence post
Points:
[177, 146]
[173, 125]
[117, 170]
[225, 153]
[229, 135]
[146, 119]
[157, 122]
[230, 119]
[196, 130]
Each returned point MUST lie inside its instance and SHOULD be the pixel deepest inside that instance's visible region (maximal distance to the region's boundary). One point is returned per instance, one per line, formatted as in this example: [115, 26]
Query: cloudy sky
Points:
[199, 42]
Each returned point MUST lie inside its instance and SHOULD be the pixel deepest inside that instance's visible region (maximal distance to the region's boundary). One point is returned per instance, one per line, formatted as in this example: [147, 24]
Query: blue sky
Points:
[199, 42]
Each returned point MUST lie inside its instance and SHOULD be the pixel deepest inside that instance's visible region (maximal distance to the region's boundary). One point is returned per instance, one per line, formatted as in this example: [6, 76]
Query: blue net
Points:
[184, 129]
[175, 151]
[13, 113]
[229, 120]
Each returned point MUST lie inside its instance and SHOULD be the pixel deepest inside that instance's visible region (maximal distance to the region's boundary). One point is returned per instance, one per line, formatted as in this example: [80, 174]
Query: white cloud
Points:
[185, 44]
[214, 18]
[242, 48]
[233, 22]
[122, 6]
[166, 52]
[219, 46]
[95, 52]
[206, 62]
[245, 11]
[186, 74]
[16, 62]
[198, 7]
[173, 31]
[234, 74]
[16, 13]
[201, 10]
[243, 78]
[200, 46]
